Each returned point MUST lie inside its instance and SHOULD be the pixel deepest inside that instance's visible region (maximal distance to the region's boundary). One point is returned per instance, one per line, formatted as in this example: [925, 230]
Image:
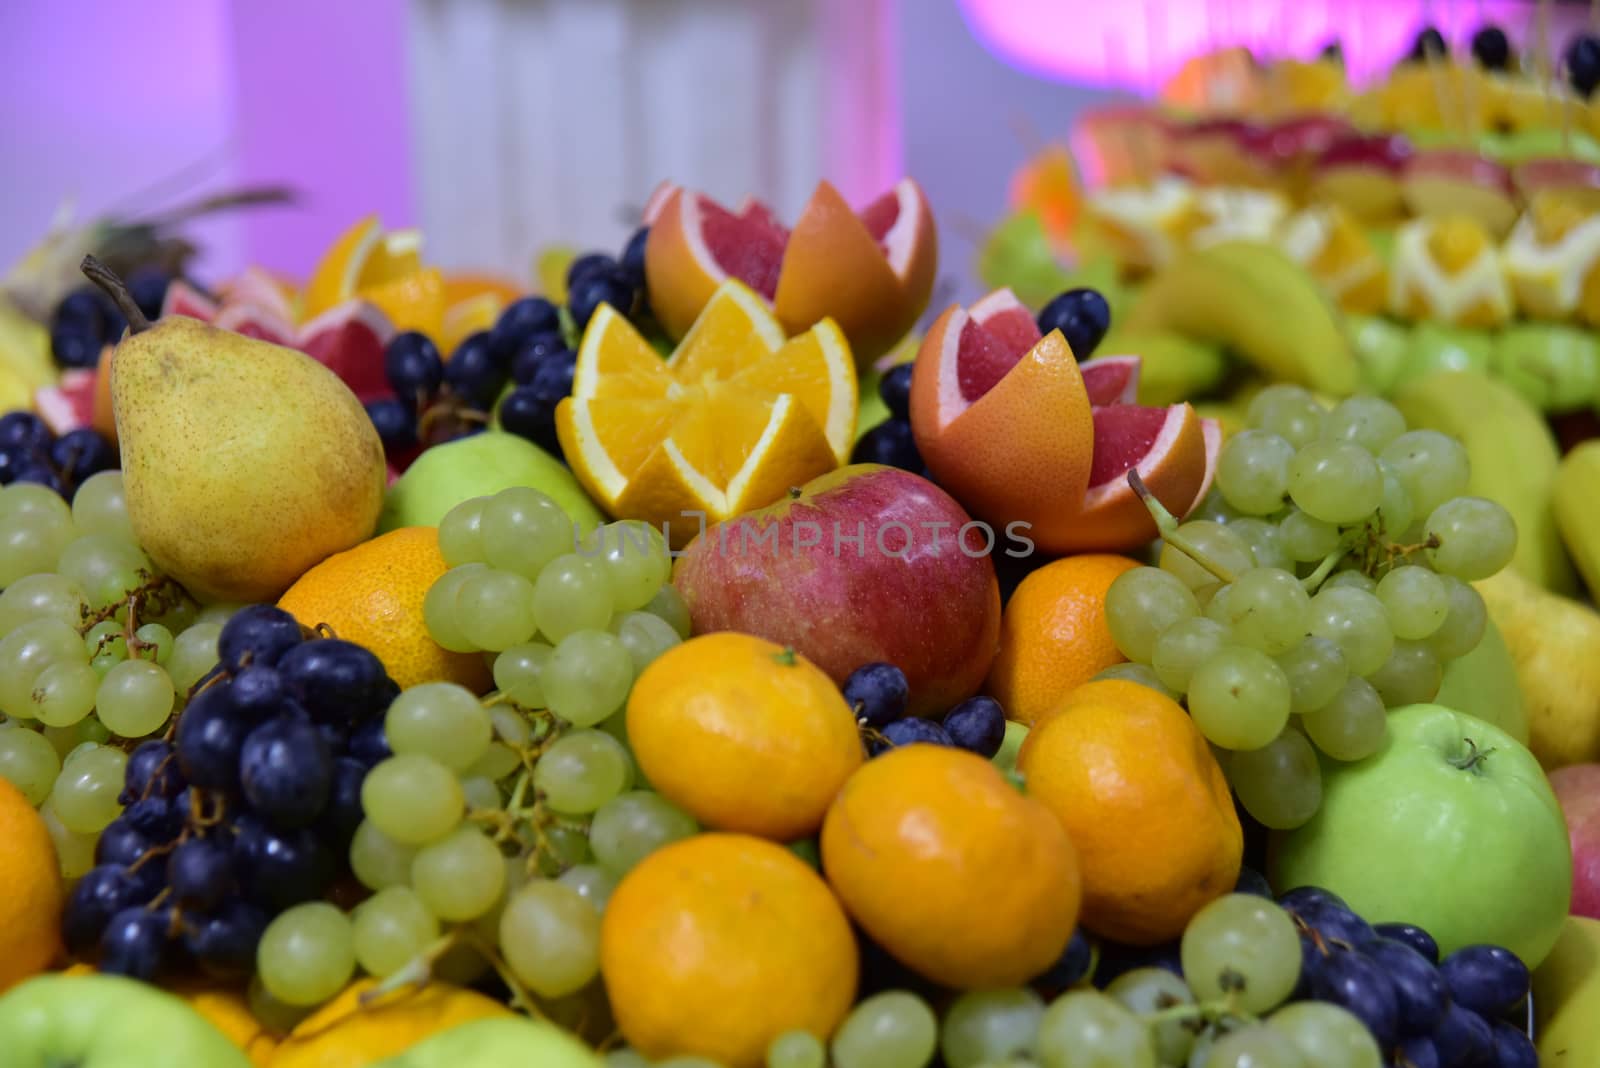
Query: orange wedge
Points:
[412, 301]
[467, 317]
[363, 257]
[729, 423]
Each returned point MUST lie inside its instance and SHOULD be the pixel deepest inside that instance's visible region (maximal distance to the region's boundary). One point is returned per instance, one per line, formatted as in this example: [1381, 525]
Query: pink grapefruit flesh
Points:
[1111, 379]
[1123, 435]
[998, 332]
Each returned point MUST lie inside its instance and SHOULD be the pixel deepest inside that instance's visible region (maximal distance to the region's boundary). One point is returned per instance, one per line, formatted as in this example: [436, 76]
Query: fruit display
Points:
[691, 666]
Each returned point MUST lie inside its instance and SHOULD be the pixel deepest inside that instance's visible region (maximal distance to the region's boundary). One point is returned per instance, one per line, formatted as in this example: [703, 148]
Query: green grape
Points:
[441, 720]
[461, 533]
[25, 653]
[1416, 601]
[495, 609]
[74, 851]
[1394, 509]
[412, 799]
[441, 612]
[1370, 422]
[517, 671]
[1304, 538]
[627, 1058]
[795, 1049]
[523, 530]
[1239, 698]
[895, 1029]
[1147, 991]
[1222, 545]
[30, 544]
[29, 762]
[669, 604]
[390, 929]
[565, 845]
[1291, 412]
[42, 596]
[1433, 467]
[983, 1026]
[1326, 1035]
[1088, 1029]
[460, 876]
[593, 883]
[497, 761]
[550, 936]
[1253, 471]
[1279, 784]
[645, 636]
[218, 613]
[85, 793]
[1316, 672]
[629, 828]
[1142, 674]
[307, 954]
[1267, 609]
[1215, 508]
[102, 562]
[64, 693]
[1253, 1046]
[135, 698]
[1335, 481]
[510, 726]
[1245, 947]
[636, 563]
[65, 739]
[1142, 603]
[101, 507]
[1463, 625]
[1351, 726]
[1353, 578]
[1476, 537]
[1355, 621]
[587, 677]
[277, 1017]
[194, 652]
[688, 1061]
[30, 498]
[1410, 676]
[1183, 647]
[379, 861]
[480, 792]
[1266, 547]
[157, 641]
[571, 594]
[106, 639]
[582, 771]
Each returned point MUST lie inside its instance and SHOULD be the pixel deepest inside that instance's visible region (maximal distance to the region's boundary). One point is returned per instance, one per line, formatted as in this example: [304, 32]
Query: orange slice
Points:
[466, 317]
[729, 423]
[362, 257]
[413, 301]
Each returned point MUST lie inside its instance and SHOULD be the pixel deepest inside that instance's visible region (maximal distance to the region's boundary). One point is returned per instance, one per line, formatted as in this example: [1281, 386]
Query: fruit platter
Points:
[714, 656]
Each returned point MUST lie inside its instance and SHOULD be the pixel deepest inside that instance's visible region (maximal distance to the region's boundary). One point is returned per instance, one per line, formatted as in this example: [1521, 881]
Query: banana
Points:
[1172, 367]
[1566, 997]
[1256, 301]
[1513, 456]
[24, 351]
[1576, 492]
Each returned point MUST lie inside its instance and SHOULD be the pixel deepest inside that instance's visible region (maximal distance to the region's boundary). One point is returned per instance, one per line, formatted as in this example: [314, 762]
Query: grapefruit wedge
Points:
[1019, 432]
[871, 272]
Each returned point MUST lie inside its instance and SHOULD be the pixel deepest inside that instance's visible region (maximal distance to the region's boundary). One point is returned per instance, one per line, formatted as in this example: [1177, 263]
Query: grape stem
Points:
[519, 993]
[1167, 527]
[1314, 581]
[417, 972]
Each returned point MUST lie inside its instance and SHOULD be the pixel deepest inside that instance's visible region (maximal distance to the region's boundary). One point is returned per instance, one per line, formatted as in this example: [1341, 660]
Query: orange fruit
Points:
[345, 1033]
[462, 286]
[871, 272]
[1018, 432]
[372, 595]
[362, 257]
[30, 908]
[717, 944]
[412, 301]
[1053, 635]
[467, 317]
[1134, 783]
[733, 419]
[743, 734]
[950, 868]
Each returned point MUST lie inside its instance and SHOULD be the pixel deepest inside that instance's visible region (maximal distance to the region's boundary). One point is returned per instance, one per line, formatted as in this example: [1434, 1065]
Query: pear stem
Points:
[1167, 527]
[117, 290]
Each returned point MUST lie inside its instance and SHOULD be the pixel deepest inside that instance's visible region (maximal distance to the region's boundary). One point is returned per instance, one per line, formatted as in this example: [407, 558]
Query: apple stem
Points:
[1474, 758]
[117, 290]
[1167, 527]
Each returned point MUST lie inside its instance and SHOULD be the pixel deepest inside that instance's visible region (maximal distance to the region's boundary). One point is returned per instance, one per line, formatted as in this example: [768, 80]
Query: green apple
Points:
[1450, 826]
[1443, 348]
[1484, 684]
[1381, 346]
[1005, 758]
[1555, 367]
[477, 466]
[497, 1041]
[106, 1021]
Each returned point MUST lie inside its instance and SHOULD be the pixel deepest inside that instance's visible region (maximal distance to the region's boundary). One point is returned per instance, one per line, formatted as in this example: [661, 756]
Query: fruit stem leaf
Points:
[1474, 759]
[1167, 527]
[785, 656]
[117, 290]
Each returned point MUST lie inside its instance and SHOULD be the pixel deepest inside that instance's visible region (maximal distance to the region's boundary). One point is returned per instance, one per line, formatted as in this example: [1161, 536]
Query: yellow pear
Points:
[1555, 645]
[245, 463]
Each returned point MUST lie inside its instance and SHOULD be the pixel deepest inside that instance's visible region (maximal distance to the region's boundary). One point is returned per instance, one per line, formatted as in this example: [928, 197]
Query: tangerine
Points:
[30, 909]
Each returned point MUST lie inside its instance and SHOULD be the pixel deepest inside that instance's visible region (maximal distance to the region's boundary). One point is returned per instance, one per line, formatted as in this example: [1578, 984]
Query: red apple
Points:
[1362, 174]
[1453, 181]
[349, 340]
[1577, 787]
[918, 589]
[1533, 175]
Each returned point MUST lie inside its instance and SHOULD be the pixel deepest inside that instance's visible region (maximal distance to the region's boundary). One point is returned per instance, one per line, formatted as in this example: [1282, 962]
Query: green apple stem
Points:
[1167, 527]
[1474, 759]
[117, 290]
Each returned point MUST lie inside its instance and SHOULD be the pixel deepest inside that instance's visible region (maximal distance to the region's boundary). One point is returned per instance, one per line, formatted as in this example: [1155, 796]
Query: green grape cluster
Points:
[498, 828]
[95, 645]
[1325, 580]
